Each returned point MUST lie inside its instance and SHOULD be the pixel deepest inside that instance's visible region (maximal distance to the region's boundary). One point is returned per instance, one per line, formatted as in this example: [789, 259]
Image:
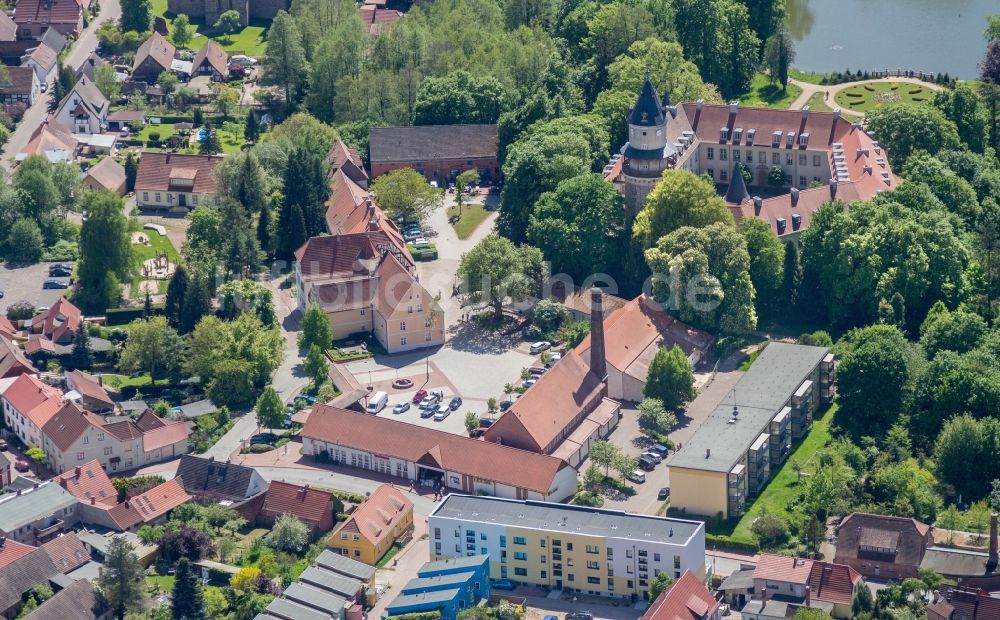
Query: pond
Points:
[923, 35]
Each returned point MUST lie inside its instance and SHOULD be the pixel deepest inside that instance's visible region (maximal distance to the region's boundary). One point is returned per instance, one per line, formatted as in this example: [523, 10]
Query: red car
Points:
[419, 396]
[21, 465]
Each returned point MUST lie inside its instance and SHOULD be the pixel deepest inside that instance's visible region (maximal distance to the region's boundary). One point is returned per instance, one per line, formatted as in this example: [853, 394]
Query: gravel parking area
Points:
[26, 283]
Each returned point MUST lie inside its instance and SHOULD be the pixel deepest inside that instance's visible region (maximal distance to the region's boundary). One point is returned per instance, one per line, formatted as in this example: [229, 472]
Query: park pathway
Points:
[808, 90]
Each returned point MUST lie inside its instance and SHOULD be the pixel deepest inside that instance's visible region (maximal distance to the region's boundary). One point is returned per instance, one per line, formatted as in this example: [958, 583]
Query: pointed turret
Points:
[647, 111]
[737, 191]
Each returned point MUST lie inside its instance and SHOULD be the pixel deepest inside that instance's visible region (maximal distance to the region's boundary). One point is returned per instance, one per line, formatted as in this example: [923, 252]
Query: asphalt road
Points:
[33, 116]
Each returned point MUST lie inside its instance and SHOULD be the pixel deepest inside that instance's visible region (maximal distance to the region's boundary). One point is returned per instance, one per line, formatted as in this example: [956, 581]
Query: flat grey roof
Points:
[345, 565]
[312, 596]
[470, 561]
[437, 581]
[759, 395]
[739, 580]
[425, 598]
[16, 511]
[329, 580]
[563, 517]
[284, 608]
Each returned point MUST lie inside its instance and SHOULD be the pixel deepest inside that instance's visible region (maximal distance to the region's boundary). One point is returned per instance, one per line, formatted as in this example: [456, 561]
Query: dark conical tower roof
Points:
[647, 111]
[737, 191]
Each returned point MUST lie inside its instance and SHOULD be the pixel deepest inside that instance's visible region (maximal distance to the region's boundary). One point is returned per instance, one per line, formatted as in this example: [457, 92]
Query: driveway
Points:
[33, 116]
[25, 283]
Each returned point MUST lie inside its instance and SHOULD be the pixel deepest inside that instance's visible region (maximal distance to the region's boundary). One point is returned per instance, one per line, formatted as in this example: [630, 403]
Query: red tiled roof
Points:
[50, 136]
[6, 327]
[38, 343]
[34, 399]
[340, 154]
[125, 516]
[148, 421]
[377, 19]
[12, 360]
[909, 545]
[685, 599]
[150, 505]
[108, 173]
[213, 53]
[88, 386]
[534, 472]
[67, 552]
[339, 256]
[61, 317]
[89, 481]
[21, 81]
[123, 430]
[377, 517]
[66, 426]
[164, 436]
[350, 209]
[309, 505]
[783, 568]
[549, 408]
[47, 11]
[157, 48]
[11, 551]
[156, 170]
[833, 583]
[44, 56]
[8, 29]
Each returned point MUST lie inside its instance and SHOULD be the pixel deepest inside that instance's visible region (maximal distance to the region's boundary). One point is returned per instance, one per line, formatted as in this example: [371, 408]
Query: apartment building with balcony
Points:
[562, 547]
[751, 432]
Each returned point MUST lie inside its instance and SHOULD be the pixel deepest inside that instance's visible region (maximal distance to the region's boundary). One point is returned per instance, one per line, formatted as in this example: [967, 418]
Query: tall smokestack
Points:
[991, 563]
[598, 363]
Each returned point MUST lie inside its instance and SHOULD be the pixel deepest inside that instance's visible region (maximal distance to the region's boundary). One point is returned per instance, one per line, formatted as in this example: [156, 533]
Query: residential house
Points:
[343, 157]
[571, 548]
[309, 505]
[11, 550]
[685, 599]
[434, 458]
[54, 39]
[80, 600]
[90, 485]
[366, 284]
[751, 431]
[58, 323]
[348, 588]
[8, 29]
[36, 515]
[882, 547]
[439, 152]
[93, 395]
[352, 209]
[211, 60]
[106, 175]
[174, 182]
[24, 87]
[35, 17]
[566, 411]
[737, 588]
[804, 582]
[7, 329]
[122, 119]
[44, 60]
[51, 141]
[208, 479]
[6, 466]
[150, 507]
[84, 109]
[74, 436]
[12, 360]
[447, 586]
[20, 576]
[378, 19]
[152, 58]
[633, 335]
[28, 404]
[384, 518]
[323, 592]
[963, 603]
[66, 552]
[89, 67]
[98, 543]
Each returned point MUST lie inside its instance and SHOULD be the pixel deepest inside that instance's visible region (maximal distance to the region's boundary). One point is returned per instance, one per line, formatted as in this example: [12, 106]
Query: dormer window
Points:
[804, 139]
[724, 134]
[737, 134]
[781, 225]
[750, 135]
[776, 139]
[790, 139]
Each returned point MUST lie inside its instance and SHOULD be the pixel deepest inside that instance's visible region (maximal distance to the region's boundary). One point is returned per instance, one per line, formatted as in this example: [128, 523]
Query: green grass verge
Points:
[472, 216]
[871, 95]
[809, 77]
[763, 93]
[164, 582]
[817, 104]
[389, 554]
[745, 366]
[784, 486]
[124, 381]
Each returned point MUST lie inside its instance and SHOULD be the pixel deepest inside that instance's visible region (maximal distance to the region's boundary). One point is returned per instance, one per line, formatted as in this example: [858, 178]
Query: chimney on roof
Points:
[76, 471]
[62, 482]
[3, 541]
[763, 594]
[833, 188]
[598, 362]
[100, 380]
[93, 500]
[836, 114]
[808, 596]
[757, 204]
[805, 113]
[373, 224]
[708, 453]
[36, 485]
[698, 105]
[734, 107]
[991, 563]
[795, 196]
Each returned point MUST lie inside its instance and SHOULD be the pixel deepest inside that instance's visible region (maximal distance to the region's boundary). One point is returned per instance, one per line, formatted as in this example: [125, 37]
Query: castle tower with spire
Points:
[647, 153]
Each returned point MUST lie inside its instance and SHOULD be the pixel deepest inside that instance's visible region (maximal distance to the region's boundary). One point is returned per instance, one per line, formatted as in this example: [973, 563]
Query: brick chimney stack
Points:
[991, 563]
[808, 596]
[598, 362]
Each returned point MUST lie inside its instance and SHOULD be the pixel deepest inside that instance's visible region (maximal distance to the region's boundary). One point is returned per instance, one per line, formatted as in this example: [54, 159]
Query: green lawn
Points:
[389, 554]
[766, 94]
[250, 41]
[870, 95]
[472, 216]
[784, 485]
[817, 104]
[164, 129]
[120, 382]
[164, 582]
[805, 76]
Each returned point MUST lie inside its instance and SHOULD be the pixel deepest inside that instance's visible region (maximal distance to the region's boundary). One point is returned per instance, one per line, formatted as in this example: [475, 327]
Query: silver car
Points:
[443, 412]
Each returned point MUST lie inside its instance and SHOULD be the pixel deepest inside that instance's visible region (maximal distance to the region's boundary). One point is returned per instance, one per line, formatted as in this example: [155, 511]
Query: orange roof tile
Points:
[833, 583]
[34, 399]
[783, 568]
[88, 386]
[11, 551]
[61, 317]
[157, 170]
[12, 360]
[67, 552]
[216, 57]
[164, 436]
[68, 424]
[377, 517]
[152, 504]
[685, 599]
[309, 505]
[89, 481]
[351, 209]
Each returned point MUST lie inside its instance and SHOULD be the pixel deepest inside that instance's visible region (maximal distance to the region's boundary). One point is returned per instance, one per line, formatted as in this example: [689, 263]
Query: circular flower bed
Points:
[402, 384]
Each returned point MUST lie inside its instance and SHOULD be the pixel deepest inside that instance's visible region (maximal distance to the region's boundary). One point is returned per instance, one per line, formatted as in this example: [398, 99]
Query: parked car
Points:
[412, 235]
[60, 267]
[3, 445]
[428, 412]
[504, 584]
[56, 272]
[580, 615]
[455, 403]
[429, 401]
[530, 382]
[646, 463]
[263, 438]
[485, 422]
[420, 241]
[536, 370]
[419, 396]
[505, 405]
[538, 347]
[21, 465]
[653, 456]
[442, 412]
[660, 449]
[55, 284]
[663, 494]
[637, 476]
[550, 617]
[401, 407]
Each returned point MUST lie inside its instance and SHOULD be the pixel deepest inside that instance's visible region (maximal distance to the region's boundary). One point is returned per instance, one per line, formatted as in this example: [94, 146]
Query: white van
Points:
[377, 402]
[637, 476]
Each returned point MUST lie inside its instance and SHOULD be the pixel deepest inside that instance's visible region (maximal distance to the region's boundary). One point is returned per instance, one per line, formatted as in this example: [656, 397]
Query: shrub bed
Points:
[123, 316]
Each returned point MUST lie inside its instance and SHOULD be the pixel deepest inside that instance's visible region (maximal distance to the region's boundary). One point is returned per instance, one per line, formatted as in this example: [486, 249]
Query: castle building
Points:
[821, 157]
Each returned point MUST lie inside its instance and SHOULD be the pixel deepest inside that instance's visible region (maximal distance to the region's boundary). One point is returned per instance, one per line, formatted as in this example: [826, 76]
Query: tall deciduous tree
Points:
[316, 330]
[270, 410]
[285, 62]
[405, 193]
[105, 251]
[669, 71]
[907, 127]
[176, 290]
[496, 270]
[670, 379]
[228, 23]
[137, 15]
[152, 346]
[107, 82]
[872, 379]
[181, 30]
[459, 97]
[680, 198]
[316, 365]
[779, 53]
[187, 602]
[121, 580]
[767, 262]
[965, 455]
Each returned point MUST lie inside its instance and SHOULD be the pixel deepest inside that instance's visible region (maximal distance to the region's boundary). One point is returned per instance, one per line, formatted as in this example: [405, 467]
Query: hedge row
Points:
[123, 316]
